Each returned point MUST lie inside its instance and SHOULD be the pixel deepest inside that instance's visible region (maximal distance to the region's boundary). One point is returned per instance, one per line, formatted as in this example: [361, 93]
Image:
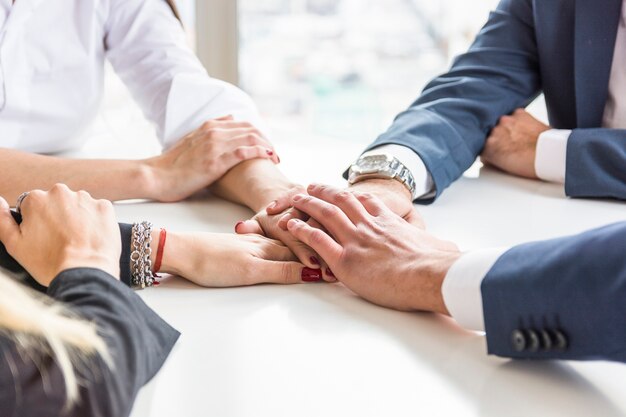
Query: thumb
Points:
[9, 230]
[277, 272]
[249, 227]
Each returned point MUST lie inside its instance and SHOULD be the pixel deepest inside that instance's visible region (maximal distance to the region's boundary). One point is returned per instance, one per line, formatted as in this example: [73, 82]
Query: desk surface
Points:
[318, 350]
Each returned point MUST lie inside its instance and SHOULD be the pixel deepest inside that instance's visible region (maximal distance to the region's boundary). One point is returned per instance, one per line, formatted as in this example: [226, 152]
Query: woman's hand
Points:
[204, 156]
[62, 229]
[225, 260]
[373, 251]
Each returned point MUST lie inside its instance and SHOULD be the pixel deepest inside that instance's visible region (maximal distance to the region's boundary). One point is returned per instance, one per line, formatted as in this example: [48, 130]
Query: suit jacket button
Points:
[560, 340]
[518, 340]
[546, 340]
[533, 340]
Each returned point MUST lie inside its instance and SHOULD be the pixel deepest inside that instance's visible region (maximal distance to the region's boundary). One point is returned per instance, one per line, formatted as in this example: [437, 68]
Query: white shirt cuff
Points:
[551, 155]
[461, 287]
[424, 186]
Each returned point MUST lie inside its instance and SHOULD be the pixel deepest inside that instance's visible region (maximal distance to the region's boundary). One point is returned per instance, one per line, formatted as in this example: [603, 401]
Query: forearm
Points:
[109, 179]
[254, 184]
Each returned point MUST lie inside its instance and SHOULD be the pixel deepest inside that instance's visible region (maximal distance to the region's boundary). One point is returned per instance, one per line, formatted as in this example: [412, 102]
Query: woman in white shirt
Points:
[52, 59]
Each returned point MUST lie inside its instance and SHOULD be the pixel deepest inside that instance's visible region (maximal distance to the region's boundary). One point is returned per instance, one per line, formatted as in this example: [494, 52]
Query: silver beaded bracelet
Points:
[140, 263]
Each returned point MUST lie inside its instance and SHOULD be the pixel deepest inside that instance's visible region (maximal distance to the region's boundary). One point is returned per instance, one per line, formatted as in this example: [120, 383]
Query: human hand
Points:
[512, 144]
[62, 229]
[373, 251]
[204, 156]
[225, 260]
[267, 225]
[393, 193]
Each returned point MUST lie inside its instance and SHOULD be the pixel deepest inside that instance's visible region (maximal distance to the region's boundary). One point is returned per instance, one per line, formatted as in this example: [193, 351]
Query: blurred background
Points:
[339, 69]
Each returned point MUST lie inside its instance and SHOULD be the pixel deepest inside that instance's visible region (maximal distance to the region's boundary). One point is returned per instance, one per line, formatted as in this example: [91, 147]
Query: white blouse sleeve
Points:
[147, 47]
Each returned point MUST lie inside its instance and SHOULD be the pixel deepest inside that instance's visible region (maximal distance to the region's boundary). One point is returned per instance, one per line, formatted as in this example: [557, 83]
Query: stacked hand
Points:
[272, 222]
[204, 156]
[512, 144]
[61, 229]
[374, 252]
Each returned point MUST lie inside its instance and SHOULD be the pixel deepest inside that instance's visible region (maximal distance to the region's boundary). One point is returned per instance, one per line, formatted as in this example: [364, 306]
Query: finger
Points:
[330, 216]
[9, 229]
[292, 214]
[343, 199]
[303, 253]
[286, 273]
[317, 240]
[249, 227]
[279, 205]
[372, 204]
[327, 273]
[246, 137]
[245, 153]
[276, 251]
[226, 117]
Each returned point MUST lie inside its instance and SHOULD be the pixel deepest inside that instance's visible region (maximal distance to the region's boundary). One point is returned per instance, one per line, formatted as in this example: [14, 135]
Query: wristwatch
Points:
[381, 166]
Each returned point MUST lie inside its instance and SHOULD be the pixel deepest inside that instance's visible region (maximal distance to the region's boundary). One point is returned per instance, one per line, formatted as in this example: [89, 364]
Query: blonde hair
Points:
[37, 324]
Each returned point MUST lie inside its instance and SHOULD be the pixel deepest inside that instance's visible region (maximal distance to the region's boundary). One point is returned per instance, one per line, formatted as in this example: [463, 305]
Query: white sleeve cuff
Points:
[424, 186]
[551, 155]
[461, 287]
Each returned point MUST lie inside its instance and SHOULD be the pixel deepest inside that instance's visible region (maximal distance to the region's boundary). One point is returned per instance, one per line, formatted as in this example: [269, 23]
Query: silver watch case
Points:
[381, 166]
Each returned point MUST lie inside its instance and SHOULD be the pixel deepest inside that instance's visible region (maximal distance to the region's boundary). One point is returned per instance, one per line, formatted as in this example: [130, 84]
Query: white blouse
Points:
[52, 56]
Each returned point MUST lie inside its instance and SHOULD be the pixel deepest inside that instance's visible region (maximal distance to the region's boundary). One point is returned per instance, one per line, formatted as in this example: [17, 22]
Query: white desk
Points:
[318, 350]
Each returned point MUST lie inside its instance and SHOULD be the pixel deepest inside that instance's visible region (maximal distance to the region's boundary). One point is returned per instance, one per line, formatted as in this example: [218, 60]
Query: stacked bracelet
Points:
[140, 263]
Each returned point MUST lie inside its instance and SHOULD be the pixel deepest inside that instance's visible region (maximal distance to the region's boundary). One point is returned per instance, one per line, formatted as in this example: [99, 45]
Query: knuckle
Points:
[317, 236]
[208, 125]
[329, 211]
[343, 196]
[240, 153]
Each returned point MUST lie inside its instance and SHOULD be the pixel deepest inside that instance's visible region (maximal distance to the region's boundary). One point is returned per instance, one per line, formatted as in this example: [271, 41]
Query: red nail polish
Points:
[314, 260]
[237, 225]
[311, 275]
[330, 273]
[270, 153]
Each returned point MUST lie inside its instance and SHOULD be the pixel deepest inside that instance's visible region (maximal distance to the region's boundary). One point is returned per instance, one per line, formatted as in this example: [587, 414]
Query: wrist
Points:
[431, 272]
[81, 259]
[174, 255]
[392, 192]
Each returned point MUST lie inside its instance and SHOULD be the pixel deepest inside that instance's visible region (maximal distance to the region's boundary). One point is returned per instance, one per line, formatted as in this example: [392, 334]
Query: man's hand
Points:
[373, 251]
[204, 156]
[512, 144]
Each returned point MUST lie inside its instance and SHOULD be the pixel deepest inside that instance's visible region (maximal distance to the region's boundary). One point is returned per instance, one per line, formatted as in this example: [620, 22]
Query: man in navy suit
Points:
[572, 51]
[557, 299]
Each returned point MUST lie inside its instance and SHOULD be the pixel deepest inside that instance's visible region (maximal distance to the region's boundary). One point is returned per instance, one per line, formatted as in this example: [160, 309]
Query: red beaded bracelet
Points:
[159, 255]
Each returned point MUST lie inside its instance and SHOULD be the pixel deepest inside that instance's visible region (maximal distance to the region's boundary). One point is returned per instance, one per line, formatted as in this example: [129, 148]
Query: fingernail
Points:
[330, 273]
[237, 225]
[270, 153]
[272, 204]
[314, 260]
[311, 275]
[297, 197]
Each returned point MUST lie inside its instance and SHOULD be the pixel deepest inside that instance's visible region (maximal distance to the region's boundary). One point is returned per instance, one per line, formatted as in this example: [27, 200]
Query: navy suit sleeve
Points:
[559, 299]
[448, 124]
[595, 163]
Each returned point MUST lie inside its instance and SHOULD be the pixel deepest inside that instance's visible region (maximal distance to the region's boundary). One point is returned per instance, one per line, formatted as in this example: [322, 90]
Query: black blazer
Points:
[138, 340]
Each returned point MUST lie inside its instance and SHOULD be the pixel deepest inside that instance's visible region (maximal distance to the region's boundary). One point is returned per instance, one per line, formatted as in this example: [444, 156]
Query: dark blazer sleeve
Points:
[595, 163]
[138, 340]
[448, 124]
[7, 262]
[559, 299]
